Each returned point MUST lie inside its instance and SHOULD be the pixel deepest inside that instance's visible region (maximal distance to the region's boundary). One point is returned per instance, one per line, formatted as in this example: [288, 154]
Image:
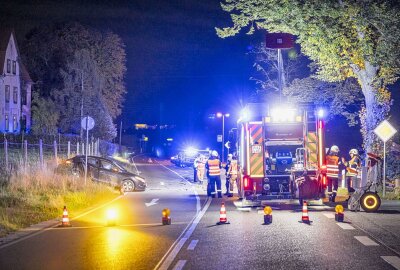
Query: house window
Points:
[7, 94]
[8, 66]
[15, 95]
[23, 96]
[7, 122]
[14, 67]
[15, 122]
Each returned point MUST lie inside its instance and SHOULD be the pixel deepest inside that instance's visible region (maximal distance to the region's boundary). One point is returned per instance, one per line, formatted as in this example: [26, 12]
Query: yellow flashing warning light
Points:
[165, 212]
[267, 210]
[111, 216]
[267, 119]
[339, 209]
[298, 118]
[145, 139]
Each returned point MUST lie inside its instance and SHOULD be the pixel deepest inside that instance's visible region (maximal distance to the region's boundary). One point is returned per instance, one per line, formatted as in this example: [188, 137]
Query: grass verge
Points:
[27, 199]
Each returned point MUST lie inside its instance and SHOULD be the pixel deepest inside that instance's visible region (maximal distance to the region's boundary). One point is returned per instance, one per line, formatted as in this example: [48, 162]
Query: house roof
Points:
[5, 35]
[24, 73]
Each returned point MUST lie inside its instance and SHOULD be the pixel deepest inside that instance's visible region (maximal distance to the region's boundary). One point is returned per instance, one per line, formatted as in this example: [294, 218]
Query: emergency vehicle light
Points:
[283, 115]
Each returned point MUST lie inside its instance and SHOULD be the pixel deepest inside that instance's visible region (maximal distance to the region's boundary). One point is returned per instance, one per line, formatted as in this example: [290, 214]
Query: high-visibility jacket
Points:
[201, 164]
[214, 167]
[332, 166]
[233, 168]
[353, 166]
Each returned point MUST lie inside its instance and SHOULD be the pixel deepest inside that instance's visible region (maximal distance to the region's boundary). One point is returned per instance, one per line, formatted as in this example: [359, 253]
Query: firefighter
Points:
[228, 163]
[232, 174]
[332, 165]
[352, 168]
[213, 167]
[201, 167]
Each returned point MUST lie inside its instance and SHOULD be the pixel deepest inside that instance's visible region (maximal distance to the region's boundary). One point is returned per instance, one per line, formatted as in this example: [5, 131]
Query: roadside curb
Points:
[38, 228]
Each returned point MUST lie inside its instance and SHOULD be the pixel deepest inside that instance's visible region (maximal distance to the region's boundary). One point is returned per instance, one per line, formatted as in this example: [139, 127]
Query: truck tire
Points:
[370, 202]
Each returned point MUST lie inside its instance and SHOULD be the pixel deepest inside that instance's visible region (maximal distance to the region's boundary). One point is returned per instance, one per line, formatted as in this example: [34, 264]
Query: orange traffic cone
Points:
[304, 217]
[65, 218]
[222, 215]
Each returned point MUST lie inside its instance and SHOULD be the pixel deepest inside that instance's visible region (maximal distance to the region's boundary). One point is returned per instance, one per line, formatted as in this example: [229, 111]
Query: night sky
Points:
[179, 71]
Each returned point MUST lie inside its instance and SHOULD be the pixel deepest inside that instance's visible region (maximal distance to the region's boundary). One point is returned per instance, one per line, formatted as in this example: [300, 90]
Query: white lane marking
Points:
[192, 244]
[366, 241]
[179, 265]
[169, 257]
[153, 202]
[345, 226]
[55, 225]
[198, 206]
[393, 261]
[329, 215]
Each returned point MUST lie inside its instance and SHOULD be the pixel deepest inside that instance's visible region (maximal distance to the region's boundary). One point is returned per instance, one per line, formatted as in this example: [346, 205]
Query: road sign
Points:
[228, 144]
[219, 138]
[385, 131]
[90, 122]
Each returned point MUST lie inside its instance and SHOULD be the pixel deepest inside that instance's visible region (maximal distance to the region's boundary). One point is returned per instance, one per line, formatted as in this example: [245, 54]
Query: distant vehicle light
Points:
[219, 114]
[227, 115]
[190, 151]
[321, 113]
[170, 139]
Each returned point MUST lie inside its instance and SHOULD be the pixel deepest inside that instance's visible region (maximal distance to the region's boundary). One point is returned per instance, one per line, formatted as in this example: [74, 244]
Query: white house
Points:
[15, 87]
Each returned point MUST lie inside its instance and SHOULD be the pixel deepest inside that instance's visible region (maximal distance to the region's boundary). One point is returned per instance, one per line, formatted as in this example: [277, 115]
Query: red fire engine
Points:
[281, 153]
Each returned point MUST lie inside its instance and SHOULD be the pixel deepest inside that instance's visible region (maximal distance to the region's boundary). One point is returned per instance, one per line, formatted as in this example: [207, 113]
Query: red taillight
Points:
[320, 124]
[324, 181]
[246, 181]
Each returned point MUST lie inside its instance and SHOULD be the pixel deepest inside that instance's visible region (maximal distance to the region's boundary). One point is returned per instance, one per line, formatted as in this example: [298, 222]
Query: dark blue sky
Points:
[179, 71]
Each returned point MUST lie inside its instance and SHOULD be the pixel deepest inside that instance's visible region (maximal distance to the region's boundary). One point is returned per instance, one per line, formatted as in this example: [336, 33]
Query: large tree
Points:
[76, 65]
[344, 38]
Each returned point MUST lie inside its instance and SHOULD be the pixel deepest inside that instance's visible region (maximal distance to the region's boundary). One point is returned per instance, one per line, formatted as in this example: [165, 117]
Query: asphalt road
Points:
[194, 241]
[138, 242]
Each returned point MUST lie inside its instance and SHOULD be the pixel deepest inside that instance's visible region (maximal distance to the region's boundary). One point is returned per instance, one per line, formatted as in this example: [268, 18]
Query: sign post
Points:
[87, 123]
[384, 131]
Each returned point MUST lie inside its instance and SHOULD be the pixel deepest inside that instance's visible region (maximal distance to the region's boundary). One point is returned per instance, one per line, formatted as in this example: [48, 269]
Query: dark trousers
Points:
[227, 185]
[333, 182]
[215, 180]
[195, 175]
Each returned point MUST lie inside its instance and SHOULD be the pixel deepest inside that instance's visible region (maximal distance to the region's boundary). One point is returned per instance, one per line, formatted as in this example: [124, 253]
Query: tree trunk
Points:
[373, 114]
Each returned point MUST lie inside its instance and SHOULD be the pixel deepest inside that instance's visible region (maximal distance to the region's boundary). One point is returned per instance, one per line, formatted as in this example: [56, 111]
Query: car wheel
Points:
[128, 186]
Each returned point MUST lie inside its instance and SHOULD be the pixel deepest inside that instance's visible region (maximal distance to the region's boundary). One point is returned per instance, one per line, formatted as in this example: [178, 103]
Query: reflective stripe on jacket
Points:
[233, 168]
[213, 166]
[332, 166]
[353, 166]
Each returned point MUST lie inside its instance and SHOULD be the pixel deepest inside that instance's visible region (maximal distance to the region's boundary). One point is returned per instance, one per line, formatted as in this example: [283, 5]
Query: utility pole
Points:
[120, 135]
[81, 133]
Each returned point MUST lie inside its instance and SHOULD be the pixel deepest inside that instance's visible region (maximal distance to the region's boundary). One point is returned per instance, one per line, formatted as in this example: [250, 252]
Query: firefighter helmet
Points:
[214, 153]
[353, 151]
[334, 149]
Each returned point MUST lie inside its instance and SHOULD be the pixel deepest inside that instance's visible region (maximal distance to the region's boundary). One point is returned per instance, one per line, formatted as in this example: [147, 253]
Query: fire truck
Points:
[281, 153]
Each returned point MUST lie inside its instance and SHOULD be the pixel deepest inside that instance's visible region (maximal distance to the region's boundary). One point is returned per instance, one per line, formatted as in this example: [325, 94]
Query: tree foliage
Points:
[45, 115]
[344, 38]
[77, 66]
[266, 64]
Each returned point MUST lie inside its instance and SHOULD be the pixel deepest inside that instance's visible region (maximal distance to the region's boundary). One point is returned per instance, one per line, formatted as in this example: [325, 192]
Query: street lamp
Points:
[223, 115]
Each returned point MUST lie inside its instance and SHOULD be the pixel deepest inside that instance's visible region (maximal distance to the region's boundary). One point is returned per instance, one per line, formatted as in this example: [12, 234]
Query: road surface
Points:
[194, 241]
